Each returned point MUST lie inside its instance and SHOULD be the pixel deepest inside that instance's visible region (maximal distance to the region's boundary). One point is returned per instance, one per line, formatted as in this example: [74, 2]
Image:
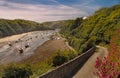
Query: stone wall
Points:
[70, 68]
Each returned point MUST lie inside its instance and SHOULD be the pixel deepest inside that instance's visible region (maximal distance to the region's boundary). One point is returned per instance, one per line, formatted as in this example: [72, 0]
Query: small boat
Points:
[27, 45]
[21, 50]
[10, 43]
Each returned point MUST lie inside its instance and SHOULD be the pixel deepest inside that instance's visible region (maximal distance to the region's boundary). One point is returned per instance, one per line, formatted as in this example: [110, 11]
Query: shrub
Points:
[17, 72]
[109, 67]
[59, 59]
[71, 54]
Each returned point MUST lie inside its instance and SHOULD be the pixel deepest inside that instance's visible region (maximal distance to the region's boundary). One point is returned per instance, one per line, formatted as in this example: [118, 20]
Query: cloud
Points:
[38, 12]
[42, 12]
[88, 6]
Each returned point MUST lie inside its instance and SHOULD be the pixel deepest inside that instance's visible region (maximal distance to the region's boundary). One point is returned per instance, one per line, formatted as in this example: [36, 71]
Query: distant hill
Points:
[56, 24]
[17, 26]
[96, 29]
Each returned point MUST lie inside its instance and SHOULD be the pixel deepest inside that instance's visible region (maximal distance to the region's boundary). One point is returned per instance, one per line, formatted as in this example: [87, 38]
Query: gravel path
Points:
[87, 70]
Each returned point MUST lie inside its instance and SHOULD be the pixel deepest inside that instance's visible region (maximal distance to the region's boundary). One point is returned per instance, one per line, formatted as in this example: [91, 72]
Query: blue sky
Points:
[50, 10]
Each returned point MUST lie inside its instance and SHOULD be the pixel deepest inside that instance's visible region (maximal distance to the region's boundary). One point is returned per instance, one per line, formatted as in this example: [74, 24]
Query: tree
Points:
[17, 72]
[59, 59]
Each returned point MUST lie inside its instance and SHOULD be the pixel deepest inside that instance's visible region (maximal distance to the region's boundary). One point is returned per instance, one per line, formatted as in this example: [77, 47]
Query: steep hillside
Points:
[97, 29]
[17, 26]
[56, 24]
[10, 27]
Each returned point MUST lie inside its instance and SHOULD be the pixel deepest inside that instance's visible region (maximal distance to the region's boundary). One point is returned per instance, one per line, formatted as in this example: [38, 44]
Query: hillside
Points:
[96, 29]
[81, 34]
[56, 24]
[17, 26]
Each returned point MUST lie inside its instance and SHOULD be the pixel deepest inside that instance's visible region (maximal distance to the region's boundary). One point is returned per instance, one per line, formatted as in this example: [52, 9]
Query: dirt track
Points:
[87, 70]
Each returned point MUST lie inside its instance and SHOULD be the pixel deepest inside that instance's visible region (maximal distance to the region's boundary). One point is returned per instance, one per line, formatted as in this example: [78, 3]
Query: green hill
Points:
[56, 24]
[17, 26]
[10, 27]
[96, 29]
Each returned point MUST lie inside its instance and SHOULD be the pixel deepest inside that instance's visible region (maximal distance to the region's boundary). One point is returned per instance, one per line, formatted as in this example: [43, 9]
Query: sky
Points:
[51, 10]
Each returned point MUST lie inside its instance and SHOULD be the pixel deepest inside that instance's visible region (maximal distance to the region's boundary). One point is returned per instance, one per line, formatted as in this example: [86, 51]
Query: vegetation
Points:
[59, 59]
[17, 26]
[40, 68]
[109, 67]
[62, 57]
[96, 29]
[56, 24]
[34, 70]
[17, 72]
[81, 35]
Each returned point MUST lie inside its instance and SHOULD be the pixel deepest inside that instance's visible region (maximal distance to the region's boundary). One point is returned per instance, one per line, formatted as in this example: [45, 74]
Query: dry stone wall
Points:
[68, 69]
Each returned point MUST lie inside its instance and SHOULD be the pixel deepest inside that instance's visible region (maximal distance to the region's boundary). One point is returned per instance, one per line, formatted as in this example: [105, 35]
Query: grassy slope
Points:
[39, 60]
[17, 26]
[82, 34]
[10, 27]
[46, 51]
[56, 24]
[96, 29]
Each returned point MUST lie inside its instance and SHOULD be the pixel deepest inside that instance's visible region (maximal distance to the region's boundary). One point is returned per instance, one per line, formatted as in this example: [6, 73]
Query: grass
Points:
[41, 60]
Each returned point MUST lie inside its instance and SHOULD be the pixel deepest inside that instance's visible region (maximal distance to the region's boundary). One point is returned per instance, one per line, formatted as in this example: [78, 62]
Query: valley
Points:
[18, 47]
[86, 46]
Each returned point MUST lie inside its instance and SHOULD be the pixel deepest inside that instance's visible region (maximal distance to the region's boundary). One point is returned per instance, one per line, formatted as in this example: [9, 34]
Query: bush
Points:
[17, 72]
[59, 59]
[71, 54]
[109, 66]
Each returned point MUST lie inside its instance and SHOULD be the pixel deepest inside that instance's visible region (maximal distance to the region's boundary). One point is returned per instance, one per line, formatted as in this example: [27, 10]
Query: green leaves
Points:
[17, 72]
[63, 56]
[11, 27]
[59, 59]
[96, 29]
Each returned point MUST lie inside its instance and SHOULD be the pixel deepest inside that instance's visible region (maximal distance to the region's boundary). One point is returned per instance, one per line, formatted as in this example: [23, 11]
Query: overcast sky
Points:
[50, 10]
